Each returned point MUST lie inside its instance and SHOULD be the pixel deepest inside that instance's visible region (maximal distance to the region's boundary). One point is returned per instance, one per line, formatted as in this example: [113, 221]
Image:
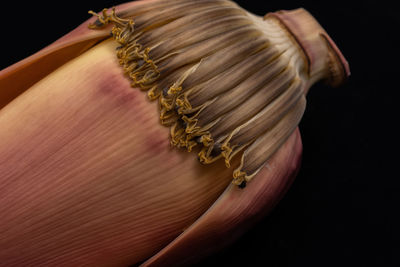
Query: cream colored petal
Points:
[266, 118]
[257, 88]
[178, 29]
[227, 80]
[257, 154]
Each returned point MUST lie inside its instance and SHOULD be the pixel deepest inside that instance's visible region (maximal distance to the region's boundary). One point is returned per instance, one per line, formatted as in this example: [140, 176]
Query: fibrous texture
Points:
[87, 175]
[227, 82]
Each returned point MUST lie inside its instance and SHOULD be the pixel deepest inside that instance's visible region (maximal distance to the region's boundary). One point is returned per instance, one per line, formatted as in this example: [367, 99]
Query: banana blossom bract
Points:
[88, 176]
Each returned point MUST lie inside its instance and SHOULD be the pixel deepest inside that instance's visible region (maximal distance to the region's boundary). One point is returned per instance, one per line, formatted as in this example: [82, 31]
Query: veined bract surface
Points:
[88, 175]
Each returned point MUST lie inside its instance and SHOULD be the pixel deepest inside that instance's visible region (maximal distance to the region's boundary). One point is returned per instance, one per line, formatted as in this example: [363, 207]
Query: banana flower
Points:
[94, 173]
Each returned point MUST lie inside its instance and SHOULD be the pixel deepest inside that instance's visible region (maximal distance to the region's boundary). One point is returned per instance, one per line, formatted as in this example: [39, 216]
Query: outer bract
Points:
[88, 176]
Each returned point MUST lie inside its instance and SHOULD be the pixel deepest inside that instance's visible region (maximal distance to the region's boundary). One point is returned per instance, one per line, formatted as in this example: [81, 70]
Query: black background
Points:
[342, 209]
